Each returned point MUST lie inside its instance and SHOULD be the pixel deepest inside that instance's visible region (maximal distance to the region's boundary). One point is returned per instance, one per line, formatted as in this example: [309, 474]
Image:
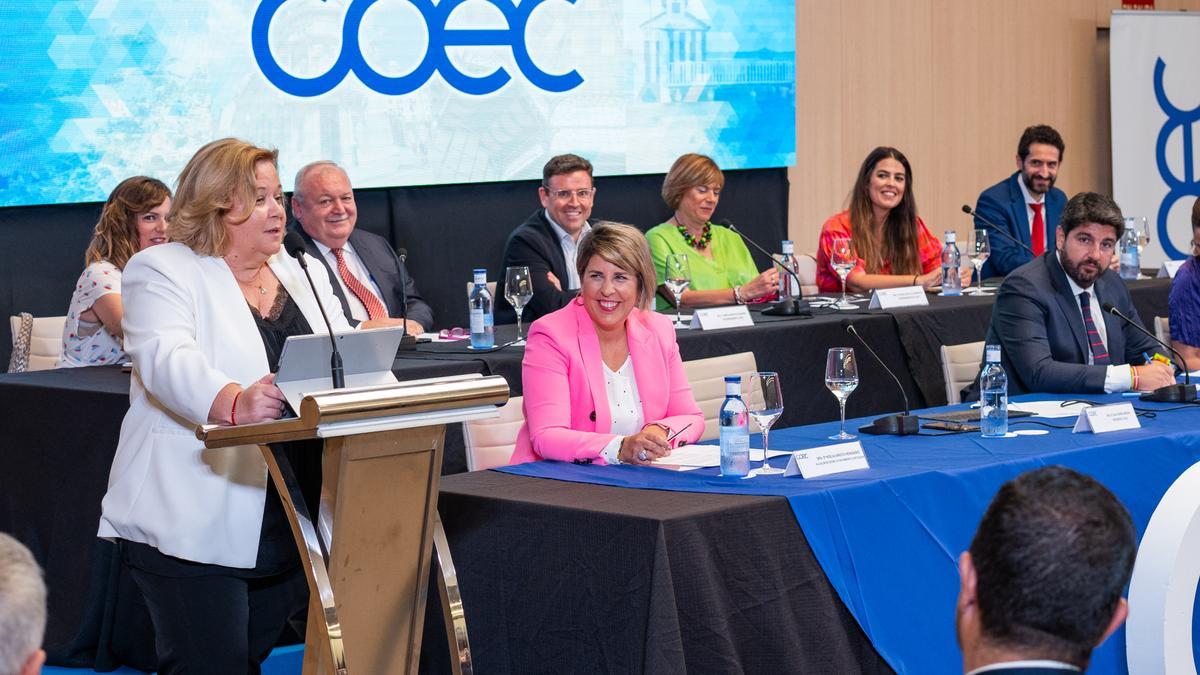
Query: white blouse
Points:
[88, 343]
[625, 404]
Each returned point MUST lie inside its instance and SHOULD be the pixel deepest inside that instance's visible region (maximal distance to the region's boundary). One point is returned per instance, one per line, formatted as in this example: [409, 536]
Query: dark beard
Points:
[1033, 191]
[1081, 278]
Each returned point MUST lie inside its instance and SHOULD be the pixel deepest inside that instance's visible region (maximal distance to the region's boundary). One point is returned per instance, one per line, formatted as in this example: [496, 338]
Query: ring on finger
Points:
[642, 455]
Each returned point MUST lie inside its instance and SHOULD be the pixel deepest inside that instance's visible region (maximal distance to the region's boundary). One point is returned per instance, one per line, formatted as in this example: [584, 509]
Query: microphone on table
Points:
[787, 306]
[999, 230]
[407, 342]
[1172, 393]
[892, 425]
[293, 243]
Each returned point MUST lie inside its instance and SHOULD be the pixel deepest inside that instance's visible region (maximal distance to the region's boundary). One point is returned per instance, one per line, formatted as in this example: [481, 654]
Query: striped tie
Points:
[375, 308]
[1099, 350]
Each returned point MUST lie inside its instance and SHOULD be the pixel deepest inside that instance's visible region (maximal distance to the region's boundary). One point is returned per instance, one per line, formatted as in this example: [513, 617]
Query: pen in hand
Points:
[672, 436]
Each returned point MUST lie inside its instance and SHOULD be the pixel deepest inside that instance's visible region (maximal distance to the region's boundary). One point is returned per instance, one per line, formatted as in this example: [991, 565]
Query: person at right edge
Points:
[1049, 321]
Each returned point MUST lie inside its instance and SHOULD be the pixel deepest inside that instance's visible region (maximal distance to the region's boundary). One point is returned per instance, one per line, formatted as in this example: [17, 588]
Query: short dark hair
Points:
[1092, 207]
[1040, 133]
[1051, 556]
[560, 165]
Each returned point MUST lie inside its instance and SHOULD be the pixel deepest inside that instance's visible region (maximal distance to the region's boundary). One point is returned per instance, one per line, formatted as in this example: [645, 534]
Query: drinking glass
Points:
[518, 291]
[764, 403]
[843, 260]
[979, 249]
[677, 277]
[1143, 234]
[841, 377]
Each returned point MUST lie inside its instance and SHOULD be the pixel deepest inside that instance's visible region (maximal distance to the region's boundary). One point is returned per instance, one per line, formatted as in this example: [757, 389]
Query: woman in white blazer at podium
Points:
[202, 531]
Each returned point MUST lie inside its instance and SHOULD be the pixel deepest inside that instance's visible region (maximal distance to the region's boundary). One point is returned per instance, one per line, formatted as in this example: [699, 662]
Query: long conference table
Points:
[61, 429]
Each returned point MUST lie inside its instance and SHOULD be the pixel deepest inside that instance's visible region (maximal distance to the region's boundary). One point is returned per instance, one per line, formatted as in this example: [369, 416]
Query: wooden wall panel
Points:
[952, 83]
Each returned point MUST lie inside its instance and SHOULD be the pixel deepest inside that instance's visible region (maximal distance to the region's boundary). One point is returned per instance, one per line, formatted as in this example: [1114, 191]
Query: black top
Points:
[276, 547]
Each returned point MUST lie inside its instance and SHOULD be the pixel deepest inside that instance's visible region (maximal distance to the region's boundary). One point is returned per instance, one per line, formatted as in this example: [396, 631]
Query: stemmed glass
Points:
[1143, 233]
[518, 291]
[764, 409]
[843, 260]
[841, 377]
[979, 250]
[677, 277]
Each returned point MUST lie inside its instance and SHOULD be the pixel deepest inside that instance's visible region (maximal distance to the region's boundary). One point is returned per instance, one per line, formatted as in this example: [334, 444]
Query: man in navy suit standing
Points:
[1026, 205]
[1049, 319]
[368, 277]
[1041, 585]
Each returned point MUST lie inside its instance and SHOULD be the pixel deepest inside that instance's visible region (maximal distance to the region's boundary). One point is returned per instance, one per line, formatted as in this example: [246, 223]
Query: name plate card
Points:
[721, 317]
[828, 460]
[1169, 268]
[1104, 418]
[905, 296]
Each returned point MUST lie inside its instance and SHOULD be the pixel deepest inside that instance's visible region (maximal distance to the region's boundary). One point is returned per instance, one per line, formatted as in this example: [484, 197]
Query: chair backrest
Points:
[807, 274]
[1162, 328]
[491, 289]
[707, 378]
[490, 442]
[37, 341]
[960, 366]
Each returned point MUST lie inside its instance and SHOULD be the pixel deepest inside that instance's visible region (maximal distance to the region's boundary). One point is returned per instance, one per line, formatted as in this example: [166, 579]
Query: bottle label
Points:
[477, 321]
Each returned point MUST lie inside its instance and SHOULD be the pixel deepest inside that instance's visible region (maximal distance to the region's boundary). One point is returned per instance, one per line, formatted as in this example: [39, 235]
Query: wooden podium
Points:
[367, 554]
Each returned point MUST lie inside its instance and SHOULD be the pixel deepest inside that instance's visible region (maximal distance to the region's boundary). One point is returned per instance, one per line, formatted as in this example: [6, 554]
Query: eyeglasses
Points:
[453, 334]
[582, 194]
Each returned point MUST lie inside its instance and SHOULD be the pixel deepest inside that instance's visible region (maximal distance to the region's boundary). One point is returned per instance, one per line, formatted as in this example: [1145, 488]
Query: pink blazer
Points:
[566, 406]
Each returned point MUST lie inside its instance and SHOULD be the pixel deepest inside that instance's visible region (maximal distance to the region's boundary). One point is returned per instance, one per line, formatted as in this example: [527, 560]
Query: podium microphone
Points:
[407, 342]
[891, 425]
[787, 306]
[293, 243]
[1172, 393]
[997, 229]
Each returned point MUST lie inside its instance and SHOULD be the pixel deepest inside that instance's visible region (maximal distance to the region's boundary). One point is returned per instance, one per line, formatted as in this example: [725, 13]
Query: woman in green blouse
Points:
[722, 271]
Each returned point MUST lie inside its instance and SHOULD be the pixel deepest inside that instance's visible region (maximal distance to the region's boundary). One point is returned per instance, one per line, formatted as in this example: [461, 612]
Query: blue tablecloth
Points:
[889, 537]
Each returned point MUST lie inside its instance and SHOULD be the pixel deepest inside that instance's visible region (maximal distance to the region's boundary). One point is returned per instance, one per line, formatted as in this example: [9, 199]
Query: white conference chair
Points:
[807, 274]
[707, 379]
[960, 366]
[490, 442]
[37, 342]
[1162, 328]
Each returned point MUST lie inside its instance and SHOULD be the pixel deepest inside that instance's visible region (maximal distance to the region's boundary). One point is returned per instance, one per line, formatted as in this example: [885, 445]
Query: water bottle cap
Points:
[951, 236]
[480, 276]
[733, 378]
[788, 247]
[992, 353]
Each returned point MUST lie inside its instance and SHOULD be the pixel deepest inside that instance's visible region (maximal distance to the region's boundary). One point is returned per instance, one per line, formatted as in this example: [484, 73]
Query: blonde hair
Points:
[687, 172]
[116, 238]
[624, 246]
[219, 175]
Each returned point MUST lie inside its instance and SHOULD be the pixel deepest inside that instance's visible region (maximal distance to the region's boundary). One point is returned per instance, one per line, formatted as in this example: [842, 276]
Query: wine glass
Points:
[841, 377]
[979, 249]
[1143, 234]
[764, 403]
[518, 291]
[843, 260]
[677, 277]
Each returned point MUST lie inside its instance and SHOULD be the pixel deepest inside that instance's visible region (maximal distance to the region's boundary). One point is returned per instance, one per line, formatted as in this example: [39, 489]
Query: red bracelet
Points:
[233, 410]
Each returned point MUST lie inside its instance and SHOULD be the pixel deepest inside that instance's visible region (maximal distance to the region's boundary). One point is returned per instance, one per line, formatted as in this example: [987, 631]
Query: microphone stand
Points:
[789, 305]
[889, 425]
[294, 245]
[1172, 393]
[407, 342]
[999, 230]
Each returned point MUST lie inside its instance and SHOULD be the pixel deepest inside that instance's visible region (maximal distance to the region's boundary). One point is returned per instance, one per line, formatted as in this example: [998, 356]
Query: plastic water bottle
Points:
[735, 430]
[1131, 263]
[951, 259]
[787, 283]
[993, 394]
[483, 334]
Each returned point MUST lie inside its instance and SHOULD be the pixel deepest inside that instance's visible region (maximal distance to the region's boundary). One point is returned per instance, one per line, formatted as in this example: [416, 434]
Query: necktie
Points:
[1099, 350]
[375, 308]
[1039, 230]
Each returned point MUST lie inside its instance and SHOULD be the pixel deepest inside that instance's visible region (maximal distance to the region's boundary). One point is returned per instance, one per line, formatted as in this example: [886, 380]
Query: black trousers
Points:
[220, 624]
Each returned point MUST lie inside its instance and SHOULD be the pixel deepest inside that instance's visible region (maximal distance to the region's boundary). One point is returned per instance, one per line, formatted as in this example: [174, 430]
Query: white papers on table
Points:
[700, 456]
[1049, 408]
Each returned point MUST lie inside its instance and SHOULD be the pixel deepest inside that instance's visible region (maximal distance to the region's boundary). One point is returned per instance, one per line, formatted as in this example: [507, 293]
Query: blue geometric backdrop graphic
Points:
[98, 90]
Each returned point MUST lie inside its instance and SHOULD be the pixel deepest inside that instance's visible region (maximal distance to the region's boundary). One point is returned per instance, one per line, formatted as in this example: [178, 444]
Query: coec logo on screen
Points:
[435, 61]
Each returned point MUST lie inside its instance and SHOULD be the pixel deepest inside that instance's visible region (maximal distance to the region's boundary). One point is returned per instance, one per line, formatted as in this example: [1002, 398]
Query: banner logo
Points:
[1178, 188]
[435, 60]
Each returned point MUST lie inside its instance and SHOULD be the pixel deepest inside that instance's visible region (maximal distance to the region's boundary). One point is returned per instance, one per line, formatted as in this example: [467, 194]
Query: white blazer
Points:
[190, 333]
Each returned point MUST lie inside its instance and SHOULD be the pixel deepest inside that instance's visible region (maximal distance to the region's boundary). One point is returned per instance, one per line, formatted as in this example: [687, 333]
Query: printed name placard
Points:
[905, 296]
[828, 460]
[1169, 268]
[1103, 418]
[721, 317]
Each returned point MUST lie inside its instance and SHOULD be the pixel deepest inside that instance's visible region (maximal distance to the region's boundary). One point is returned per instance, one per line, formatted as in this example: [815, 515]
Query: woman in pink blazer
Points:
[602, 376]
